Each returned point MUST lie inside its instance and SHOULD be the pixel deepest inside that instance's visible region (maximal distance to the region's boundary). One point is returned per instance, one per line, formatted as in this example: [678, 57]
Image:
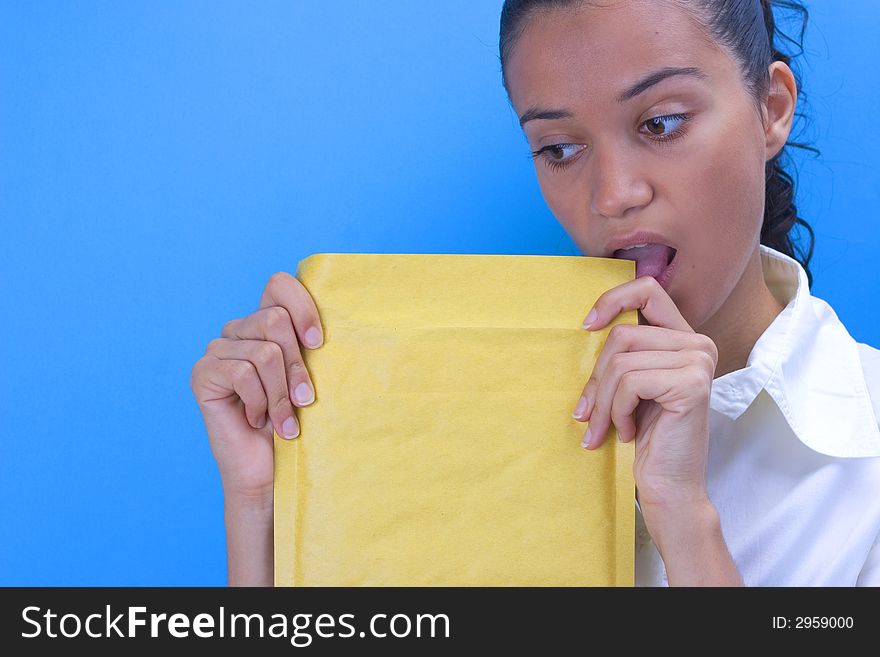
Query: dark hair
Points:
[747, 29]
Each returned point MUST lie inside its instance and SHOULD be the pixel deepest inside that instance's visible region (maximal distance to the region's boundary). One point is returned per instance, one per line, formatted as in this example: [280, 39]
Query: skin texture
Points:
[246, 387]
[652, 381]
[703, 190]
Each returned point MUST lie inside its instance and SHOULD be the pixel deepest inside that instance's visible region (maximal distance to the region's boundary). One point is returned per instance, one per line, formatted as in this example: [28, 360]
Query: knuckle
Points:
[652, 283]
[705, 343]
[281, 406]
[712, 350]
[705, 361]
[618, 335]
[280, 279]
[195, 373]
[267, 352]
[617, 363]
[229, 328]
[275, 320]
[213, 345]
[296, 363]
[240, 369]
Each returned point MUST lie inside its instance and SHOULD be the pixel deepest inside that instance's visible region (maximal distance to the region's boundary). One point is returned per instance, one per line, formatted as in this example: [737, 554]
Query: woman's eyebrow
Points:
[652, 78]
[658, 76]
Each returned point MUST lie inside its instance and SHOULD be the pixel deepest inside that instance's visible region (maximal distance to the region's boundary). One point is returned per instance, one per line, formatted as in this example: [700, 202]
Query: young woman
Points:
[657, 128]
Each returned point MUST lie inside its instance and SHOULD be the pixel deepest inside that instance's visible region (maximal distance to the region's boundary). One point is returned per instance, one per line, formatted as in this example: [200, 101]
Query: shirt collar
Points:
[809, 364]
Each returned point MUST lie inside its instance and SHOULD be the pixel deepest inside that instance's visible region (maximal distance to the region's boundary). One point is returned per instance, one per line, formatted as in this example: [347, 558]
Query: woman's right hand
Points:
[250, 380]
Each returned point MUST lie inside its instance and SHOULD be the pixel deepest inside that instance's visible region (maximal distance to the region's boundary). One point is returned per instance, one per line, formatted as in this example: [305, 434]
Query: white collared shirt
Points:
[794, 450]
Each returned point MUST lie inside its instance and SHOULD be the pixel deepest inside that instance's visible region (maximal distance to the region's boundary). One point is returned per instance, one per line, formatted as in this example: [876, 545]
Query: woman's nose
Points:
[617, 184]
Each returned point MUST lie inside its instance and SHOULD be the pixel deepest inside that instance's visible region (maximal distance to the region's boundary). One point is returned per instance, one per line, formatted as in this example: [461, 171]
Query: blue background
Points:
[158, 161]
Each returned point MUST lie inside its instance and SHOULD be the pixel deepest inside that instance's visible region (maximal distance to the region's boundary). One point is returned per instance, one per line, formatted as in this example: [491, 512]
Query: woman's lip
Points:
[638, 237]
[621, 252]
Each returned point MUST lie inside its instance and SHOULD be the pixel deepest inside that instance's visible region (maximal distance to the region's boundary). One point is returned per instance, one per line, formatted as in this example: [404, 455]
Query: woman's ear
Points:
[779, 108]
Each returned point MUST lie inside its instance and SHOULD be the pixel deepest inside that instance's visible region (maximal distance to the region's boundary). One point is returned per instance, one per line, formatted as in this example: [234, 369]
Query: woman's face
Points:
[703, 189]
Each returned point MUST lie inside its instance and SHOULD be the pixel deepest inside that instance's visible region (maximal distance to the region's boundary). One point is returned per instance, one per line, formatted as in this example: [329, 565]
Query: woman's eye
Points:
[558, 156]
[660, 126]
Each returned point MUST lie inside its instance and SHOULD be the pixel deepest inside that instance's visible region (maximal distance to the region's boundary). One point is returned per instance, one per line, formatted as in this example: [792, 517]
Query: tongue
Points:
[650, 260]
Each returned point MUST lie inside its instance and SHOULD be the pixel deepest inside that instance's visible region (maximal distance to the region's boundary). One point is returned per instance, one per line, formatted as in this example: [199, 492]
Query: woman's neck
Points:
[742, 319]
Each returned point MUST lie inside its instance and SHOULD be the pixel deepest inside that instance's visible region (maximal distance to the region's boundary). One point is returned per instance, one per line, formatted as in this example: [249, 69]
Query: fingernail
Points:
[303, 393]
[591, 317]
[586, 441]
[289, 428]
[313, 337]
[580, 408]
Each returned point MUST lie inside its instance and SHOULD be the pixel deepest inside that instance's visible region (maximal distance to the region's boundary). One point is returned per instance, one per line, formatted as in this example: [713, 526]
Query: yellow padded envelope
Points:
[440, 449]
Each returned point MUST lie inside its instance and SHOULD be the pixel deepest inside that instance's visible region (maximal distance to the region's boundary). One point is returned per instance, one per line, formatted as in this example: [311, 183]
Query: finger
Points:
[287, 291]
[629, 338]
[637, 386]
[672, 389]
[645, 294]
[620, 365]
[273, 324]
[239, 377]
[268, 361]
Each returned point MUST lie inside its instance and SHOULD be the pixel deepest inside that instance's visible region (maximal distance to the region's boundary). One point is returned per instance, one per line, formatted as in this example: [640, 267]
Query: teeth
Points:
[634, 246]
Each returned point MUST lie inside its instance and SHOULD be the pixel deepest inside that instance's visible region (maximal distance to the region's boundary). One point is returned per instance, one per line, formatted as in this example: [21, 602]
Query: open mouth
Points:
[651, 260]
[651, 255]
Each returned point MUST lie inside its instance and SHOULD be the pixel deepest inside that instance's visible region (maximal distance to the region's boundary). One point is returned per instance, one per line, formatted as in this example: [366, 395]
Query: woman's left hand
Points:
[653, 382]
